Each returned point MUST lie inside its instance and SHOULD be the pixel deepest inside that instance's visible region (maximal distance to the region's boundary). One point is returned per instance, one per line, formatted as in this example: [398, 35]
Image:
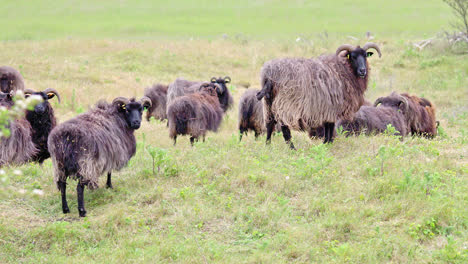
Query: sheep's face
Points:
[358, 60]
[132, 112]
[6, 82]
[5, 98]
[43, 107]
[221, 84]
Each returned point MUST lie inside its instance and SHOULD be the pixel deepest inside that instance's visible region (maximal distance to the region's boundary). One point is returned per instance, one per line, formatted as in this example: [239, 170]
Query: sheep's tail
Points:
[181, 124]
[267, 88]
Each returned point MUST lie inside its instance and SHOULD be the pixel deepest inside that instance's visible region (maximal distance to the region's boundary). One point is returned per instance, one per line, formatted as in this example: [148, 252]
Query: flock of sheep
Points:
[309, 95]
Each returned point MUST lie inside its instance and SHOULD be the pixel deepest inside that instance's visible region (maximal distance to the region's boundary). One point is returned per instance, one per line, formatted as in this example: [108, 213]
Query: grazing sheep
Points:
[308, 93]
[158, 95]
[419, 113]
[183, 87]
[10, 80]
[251, 114]
[28, 135]
[93, 143]
[42, 120]
[196, 113]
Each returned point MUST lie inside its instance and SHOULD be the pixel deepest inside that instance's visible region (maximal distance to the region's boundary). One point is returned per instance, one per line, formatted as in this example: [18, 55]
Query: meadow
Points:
[359, 200]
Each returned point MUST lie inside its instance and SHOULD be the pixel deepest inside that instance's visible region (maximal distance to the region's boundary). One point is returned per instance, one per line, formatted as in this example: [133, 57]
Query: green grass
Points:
[204, 19]
[359, 200]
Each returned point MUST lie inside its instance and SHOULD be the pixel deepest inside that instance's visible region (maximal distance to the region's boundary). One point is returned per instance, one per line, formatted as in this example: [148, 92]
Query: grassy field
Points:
[360, 200]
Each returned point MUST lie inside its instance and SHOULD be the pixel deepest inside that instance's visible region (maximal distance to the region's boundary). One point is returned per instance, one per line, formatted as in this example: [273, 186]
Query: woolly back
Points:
[181, 87]
[421, 115]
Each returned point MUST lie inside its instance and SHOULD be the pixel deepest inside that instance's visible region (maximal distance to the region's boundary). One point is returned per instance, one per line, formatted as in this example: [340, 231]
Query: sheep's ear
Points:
[369, 53]
[347, 56]
[50, 95]
[122, 107]
[213, 80]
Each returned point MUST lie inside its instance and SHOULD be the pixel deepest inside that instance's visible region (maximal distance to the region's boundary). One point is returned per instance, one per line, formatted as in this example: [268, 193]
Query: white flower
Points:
[17, 172]
[38, 192]
[287, 177]
[298, 39]
[2, 172]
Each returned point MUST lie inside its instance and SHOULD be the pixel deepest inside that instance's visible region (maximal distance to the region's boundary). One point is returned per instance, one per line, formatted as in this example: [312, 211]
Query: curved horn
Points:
[346, 47]
[29, 91]
[369, 45]
[378, 101]
[145, 102]
[52, 90]
[121, 100]
[405, 102]
[213, 79]
[227, 79]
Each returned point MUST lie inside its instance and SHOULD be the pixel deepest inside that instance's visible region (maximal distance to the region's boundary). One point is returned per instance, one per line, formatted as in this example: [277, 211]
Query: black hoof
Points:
[109, 186]
[66, 210]
[82, 213]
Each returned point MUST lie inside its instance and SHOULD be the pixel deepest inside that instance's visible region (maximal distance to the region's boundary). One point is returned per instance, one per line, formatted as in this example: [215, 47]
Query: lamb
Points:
[93, 143]
[158, 95]
[182, 87]
[419, 113]
[10, 80]
[304, 94]
[194, 114]
[28, 138]
[251, 115]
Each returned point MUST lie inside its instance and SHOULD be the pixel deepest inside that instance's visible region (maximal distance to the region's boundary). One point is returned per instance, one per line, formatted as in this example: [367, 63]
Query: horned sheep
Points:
[93, 143]
[304, 94]
[195, 114]
[28, 135]
[182, 87]
[419, 113]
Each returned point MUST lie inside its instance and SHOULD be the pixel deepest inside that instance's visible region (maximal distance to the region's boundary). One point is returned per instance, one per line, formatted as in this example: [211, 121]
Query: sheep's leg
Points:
[270, 127]
[63, 188]
[192, 140]
[203, 138]
[109, 181]
[256, 135]
[175, 140]
[79, 191]
[329, 129]
[287, 136]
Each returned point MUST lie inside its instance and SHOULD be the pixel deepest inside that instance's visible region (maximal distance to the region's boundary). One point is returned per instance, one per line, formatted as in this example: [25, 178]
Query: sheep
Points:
[28, 139]
[42, 120]
[93, 143]
[182, 87]
[306, 93]
[373, 120]
[419, 113]
[251, 114]
[10, 80]
[194, 114]
[158, 94]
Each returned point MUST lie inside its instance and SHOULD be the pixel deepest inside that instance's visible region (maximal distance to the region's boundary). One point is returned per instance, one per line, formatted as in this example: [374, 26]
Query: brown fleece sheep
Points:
[93, 143]
[28, 139]
[419, 113]
[158, 95]
[251, 114]
[308, 93]
[183, 87]
[10, 80]
[194, 114]
[373, 120]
